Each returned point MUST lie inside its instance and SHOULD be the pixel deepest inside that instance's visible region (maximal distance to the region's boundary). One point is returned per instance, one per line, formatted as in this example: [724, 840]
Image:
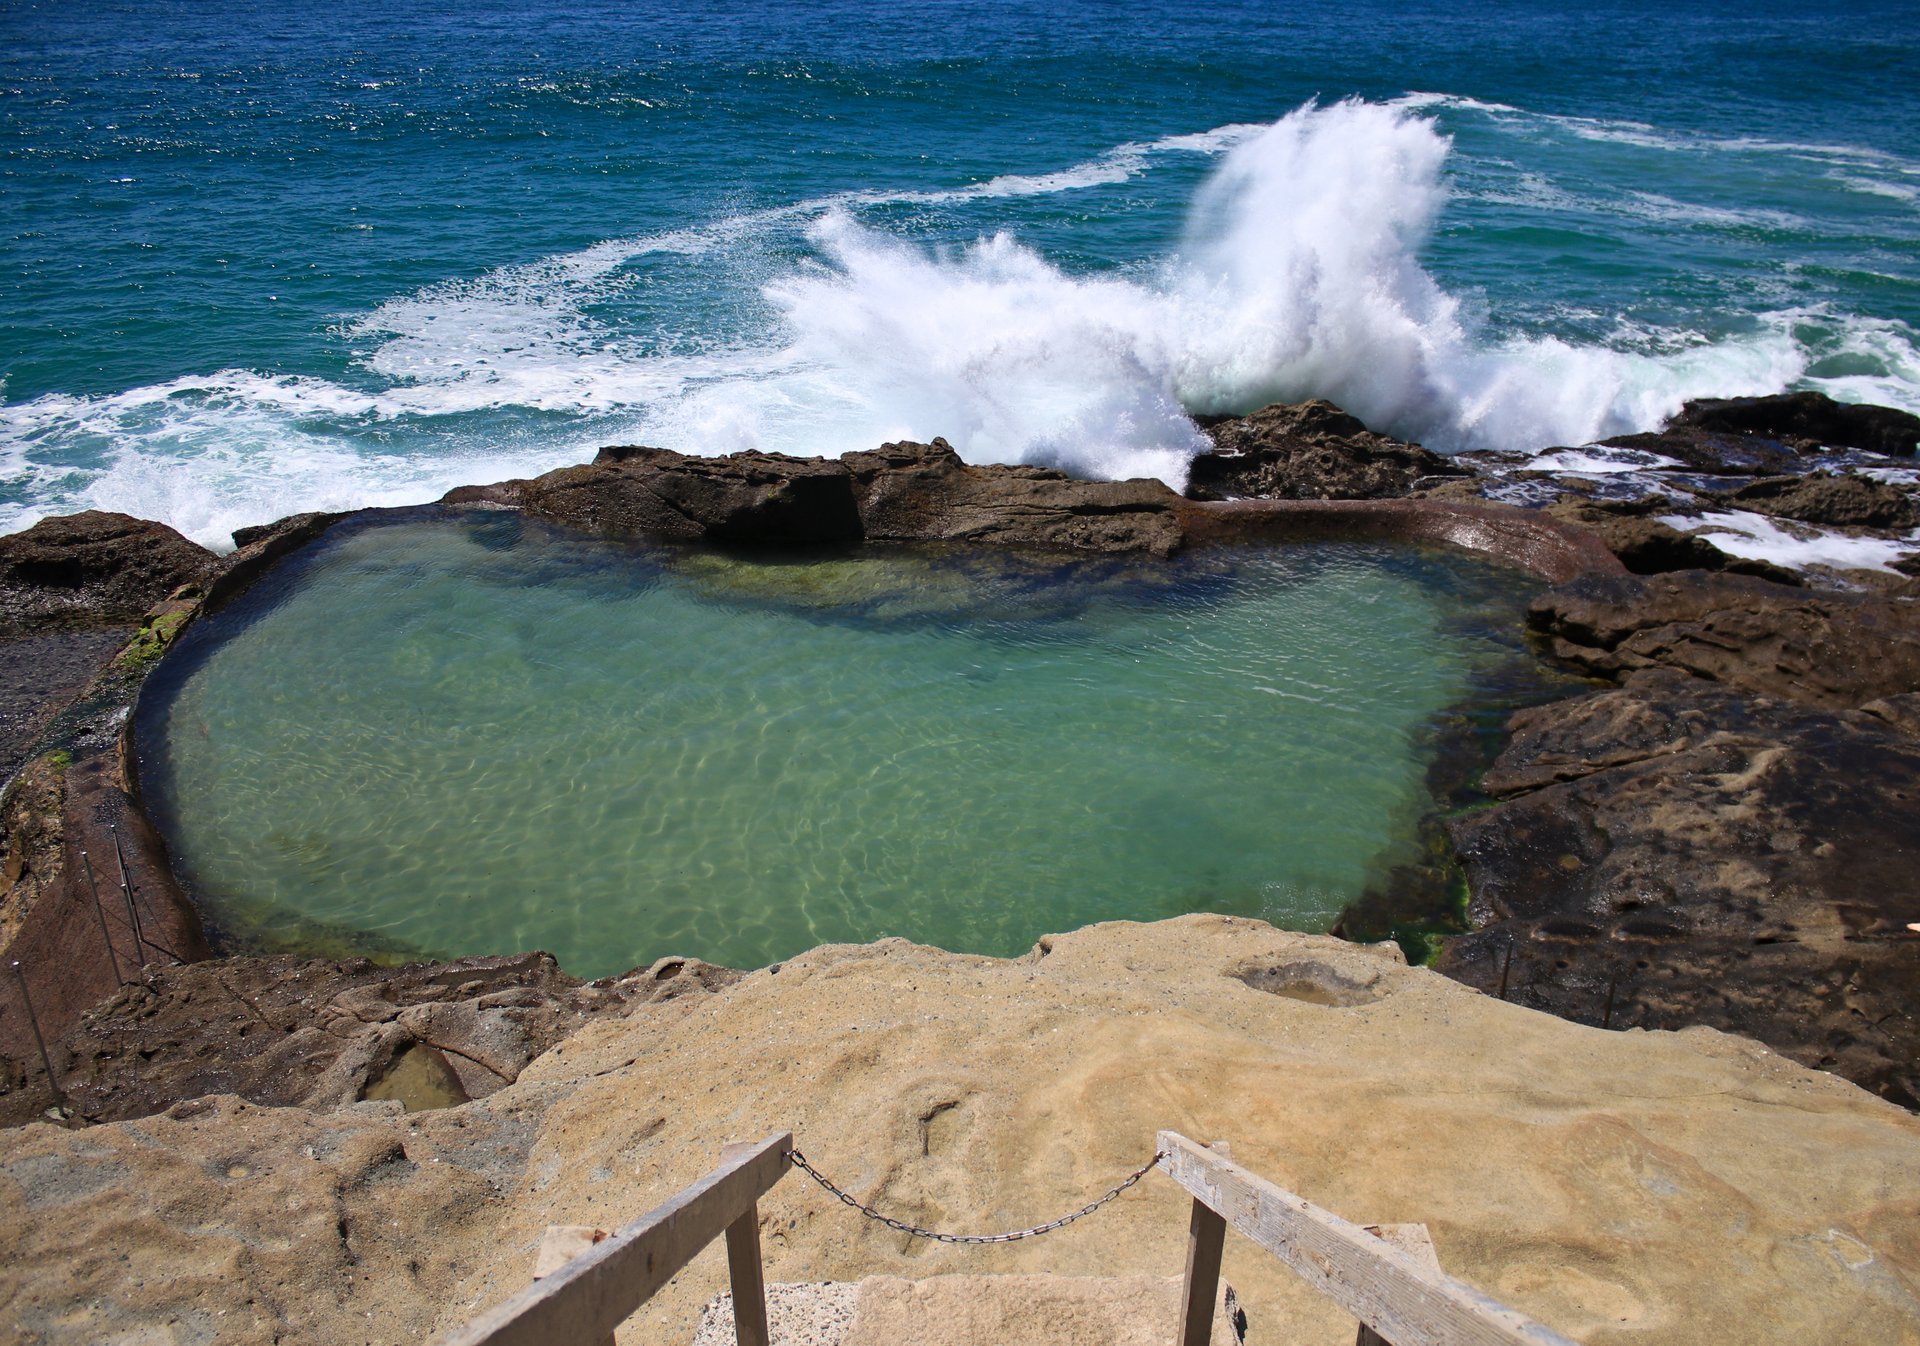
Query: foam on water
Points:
[1300, 274]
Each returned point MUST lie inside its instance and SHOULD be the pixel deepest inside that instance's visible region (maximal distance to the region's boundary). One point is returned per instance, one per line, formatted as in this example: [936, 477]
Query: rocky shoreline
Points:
[1721, 837]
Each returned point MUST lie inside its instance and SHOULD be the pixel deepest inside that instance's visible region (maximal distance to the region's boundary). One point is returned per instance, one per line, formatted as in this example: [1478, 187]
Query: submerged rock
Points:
[1308, 451]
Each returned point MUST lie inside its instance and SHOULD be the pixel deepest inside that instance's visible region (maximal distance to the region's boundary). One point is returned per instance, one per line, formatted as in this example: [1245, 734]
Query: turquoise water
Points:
[460, 737]
[271, 257]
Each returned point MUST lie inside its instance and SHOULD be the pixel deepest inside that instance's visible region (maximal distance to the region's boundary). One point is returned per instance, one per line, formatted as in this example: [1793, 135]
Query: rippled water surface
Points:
[460, 735]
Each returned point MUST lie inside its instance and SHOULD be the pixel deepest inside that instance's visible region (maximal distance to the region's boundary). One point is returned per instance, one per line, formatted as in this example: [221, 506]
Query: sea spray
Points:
[1319, 257]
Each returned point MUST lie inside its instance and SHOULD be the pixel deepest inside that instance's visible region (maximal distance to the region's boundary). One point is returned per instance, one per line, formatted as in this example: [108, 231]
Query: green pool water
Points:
[461, 734]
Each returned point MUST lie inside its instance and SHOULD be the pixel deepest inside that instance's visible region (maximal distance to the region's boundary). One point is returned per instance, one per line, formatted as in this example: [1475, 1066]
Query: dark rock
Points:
[756, 499]
[1823, 498]
[1714, 453]
[1806, 420]
[1646, 546]
[1309, 451]
[1675, 852]
[93, 569]
[282, 1031]
[925, 493]
[900, 492]
[1824, 648]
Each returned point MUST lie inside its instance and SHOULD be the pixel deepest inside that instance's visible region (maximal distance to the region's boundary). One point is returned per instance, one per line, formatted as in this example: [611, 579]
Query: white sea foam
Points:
[1755, 536]
[1300, 275]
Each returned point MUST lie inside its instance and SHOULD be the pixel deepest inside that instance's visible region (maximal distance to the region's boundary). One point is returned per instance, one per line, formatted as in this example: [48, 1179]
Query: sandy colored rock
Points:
[1621, 1187]
[963, 1310]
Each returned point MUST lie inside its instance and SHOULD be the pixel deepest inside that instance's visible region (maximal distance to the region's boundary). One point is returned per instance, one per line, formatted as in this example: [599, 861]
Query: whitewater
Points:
[1396, 255]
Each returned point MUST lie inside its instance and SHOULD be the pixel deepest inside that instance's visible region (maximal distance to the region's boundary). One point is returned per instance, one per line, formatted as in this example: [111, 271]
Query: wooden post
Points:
[1406, 1302]
[563, 1243]
[1206, 1239]
[592, 1294]
[1415, 1242]
[743, 1270]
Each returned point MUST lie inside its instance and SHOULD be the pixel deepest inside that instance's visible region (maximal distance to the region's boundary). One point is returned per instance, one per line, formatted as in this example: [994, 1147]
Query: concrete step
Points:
[975, 1311]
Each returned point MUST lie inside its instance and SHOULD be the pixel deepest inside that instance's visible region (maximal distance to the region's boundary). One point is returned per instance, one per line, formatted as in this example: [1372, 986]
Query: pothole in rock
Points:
[1310, 980]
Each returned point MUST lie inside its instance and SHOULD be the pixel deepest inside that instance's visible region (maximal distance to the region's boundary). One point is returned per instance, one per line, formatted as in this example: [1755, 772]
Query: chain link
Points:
[847, 1198]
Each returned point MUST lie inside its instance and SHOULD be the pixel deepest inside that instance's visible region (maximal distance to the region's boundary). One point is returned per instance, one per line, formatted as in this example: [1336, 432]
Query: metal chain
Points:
[800, 1162]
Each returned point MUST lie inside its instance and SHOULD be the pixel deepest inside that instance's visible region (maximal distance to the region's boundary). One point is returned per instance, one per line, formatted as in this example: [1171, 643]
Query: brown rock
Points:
[1673, 852]
[283, 1031]
[1308, 451]
[1823, 498]
[758, 499]
[924, 493]
[1827, 649]
[93, 569]
[900, 492]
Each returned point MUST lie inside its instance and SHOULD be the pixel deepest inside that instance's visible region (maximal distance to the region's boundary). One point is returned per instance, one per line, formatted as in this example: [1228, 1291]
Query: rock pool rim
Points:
[1545, 548]
[1452, 619]
[1541, 547]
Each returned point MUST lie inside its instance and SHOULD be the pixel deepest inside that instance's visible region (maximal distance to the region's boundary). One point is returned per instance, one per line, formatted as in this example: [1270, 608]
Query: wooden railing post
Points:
[592, 1293]
[1206, 1239]
[743, 1270]
[1401, 1296]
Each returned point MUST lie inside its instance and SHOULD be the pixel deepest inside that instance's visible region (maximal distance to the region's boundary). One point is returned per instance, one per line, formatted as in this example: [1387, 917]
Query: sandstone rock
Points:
[93, 568]
[1673, 852]
[1822, 497]
[1308, 451]
[1825, 648]
[1620, 1187]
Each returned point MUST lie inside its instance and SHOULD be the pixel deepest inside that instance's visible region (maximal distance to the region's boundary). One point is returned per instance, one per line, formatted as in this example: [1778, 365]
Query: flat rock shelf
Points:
[455, 733]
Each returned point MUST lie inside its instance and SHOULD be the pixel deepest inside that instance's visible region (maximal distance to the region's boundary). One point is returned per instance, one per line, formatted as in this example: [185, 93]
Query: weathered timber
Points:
[593, 1294]
[1389, 1291]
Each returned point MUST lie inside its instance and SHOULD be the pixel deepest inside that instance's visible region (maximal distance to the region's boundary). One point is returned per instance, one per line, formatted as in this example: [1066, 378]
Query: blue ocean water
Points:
[275, 257]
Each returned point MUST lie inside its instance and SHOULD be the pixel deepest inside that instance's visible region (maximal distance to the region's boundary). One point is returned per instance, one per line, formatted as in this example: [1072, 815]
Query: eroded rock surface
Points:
[1732, 837]
[1620, 1187]
[1825, 648]
[1308, 451]
[1675, 852]
[901, 492]
[91, 569]
[283, 1031]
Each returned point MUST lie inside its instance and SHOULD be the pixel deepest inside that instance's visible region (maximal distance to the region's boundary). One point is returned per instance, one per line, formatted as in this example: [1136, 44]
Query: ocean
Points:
[262, 258]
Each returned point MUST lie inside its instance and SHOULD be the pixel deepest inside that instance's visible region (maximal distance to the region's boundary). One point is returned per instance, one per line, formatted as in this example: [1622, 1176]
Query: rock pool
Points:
[455, 733]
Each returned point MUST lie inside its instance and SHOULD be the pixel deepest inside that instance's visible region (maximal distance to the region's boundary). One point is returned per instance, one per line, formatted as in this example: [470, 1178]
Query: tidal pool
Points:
[469, 733]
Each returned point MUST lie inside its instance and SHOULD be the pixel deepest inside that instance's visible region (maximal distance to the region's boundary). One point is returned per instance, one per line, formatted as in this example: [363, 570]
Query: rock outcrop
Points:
[1308, 451]
[282, 1031]
[93, 569]
[898, 493]
[1730, 838]
[1620, 1187]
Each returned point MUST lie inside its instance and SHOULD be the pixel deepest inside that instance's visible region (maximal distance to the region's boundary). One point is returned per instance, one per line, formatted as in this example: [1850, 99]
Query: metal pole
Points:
[126, 891]
[101, 912]
[53, 1081]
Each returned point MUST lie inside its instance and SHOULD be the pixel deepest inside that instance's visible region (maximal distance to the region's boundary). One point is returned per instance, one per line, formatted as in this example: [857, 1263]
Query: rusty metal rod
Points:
[101, 912]
[33, 1020]
[126, 890]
